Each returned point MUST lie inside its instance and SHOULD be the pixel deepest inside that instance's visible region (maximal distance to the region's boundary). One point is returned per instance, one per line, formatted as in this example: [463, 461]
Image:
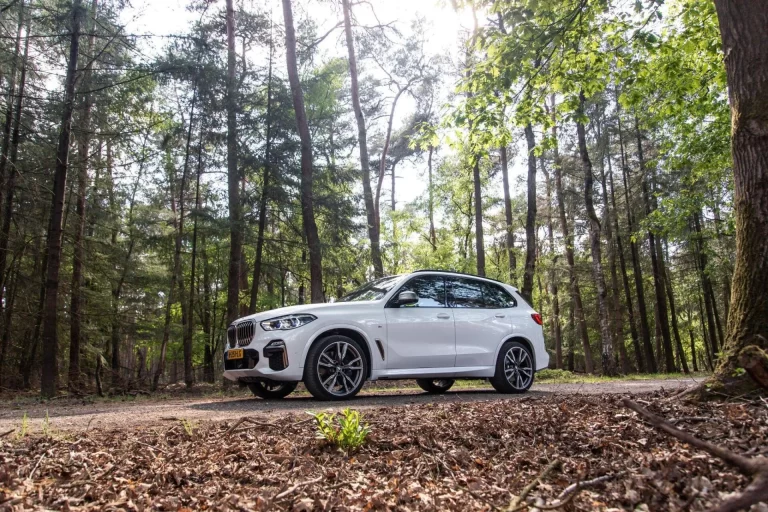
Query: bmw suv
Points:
[432, 326]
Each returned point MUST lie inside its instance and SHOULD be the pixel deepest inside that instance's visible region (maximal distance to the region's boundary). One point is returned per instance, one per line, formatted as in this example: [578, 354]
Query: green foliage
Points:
[24, 428]
[552, 374]
[189, 426]
[345, 431]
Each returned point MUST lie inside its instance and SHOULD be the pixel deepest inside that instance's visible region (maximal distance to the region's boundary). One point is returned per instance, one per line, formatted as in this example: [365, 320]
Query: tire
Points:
[514, 368]
[272, 389]
[336, 368]
[435, 386]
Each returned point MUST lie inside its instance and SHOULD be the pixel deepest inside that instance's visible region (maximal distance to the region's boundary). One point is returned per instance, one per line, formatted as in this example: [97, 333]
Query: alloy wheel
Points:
[340, 368]
[518, 368]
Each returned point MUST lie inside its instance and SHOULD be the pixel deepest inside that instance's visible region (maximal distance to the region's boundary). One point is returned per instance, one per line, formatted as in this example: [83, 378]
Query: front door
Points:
[421, 335]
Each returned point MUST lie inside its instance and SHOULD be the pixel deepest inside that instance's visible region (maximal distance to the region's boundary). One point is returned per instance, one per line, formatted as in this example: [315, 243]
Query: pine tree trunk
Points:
[432, 234]
[189, 376]
[307, 202]
[233, 175]
[556, 328]
[509, 239]
[479, 237]
[75, 331]
[530, 218]
[745, 44]
[675, 327]
[645, 331]
[604, 317]
[365, 166]
[50, 376]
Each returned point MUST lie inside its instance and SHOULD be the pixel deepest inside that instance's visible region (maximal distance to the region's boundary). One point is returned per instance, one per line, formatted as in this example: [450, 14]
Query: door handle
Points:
[444, 316]
[500, 316]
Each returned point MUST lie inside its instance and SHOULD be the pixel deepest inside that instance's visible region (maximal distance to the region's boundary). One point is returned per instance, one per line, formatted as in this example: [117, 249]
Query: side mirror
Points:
[407, 298]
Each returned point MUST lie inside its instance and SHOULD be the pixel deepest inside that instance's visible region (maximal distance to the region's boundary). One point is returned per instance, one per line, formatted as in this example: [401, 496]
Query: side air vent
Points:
[381, 348]
[245, 332]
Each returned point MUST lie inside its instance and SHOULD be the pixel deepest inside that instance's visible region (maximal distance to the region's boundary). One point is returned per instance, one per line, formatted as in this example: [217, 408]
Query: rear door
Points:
[421, 335]
[483, 317]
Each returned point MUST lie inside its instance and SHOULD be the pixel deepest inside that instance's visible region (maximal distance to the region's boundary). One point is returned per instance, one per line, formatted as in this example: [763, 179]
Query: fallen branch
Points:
[297, 486]
[246, 419]
[517, 502]
[7, 433]
[36, 465]
[756, 467]
[573, 490]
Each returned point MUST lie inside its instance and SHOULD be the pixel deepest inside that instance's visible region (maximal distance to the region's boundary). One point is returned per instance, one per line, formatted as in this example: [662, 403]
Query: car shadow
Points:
[302, 403]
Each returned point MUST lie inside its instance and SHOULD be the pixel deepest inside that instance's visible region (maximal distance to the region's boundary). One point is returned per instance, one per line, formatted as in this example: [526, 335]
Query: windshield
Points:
[371, 291]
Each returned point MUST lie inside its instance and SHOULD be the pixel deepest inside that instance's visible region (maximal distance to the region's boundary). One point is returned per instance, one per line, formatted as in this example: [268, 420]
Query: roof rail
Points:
[457, 273]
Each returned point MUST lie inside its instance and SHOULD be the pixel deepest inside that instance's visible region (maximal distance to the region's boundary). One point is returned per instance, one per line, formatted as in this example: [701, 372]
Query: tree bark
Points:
[509, 239]
[604, 317]
[745, 44]
[189, 376]
[50, 376]
[479, 237]
[675, 327]
[365, 165]
[75, 331]
[658, 276]
[530, 218]
[432, 234]
[307, 203]
[556, 328]
[233, 174]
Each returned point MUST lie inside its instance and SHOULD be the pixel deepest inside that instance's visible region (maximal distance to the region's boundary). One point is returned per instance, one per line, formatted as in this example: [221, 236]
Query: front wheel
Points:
[435, 386]
[272, 389]
[514, 368]
[336, 368]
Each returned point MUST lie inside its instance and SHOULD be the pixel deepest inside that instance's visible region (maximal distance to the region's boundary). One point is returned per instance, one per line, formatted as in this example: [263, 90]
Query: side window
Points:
[465, 293]
[430, 289]
[497, 297]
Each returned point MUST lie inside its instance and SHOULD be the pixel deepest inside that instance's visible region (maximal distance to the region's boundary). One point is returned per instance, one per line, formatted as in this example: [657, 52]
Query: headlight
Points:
[285, 323]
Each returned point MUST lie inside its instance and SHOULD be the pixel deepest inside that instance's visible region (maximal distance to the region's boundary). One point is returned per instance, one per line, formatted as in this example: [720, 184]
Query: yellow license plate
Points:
[235, 353]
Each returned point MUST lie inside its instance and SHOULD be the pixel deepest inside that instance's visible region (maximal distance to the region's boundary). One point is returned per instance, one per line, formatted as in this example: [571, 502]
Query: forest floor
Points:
[209, 403]
[468, 451]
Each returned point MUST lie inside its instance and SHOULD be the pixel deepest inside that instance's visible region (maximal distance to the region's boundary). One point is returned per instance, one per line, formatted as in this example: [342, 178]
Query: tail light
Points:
[537, 318]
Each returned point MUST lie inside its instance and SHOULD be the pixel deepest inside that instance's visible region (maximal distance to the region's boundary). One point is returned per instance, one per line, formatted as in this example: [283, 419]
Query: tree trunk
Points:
[556, 329]
[233, 174]
[530, 218]
[645, 331]
[479, 238]
[189, 376]
[604, 317]
[76, 302]
[365, 166]
[432, 234]
[307, 202]
[8, 185]
[50, 377]
[745, 44]
[256, 281]
[658, 276]
[573, 281]
[509, 239]
[675, 327]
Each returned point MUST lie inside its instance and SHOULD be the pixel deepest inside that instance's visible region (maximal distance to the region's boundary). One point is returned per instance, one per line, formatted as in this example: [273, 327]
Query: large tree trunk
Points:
[675, 326]
[76, 301]
[658, 276]
[189, 376]
[50, 377]
[479, 238]
[556, 328]
[745, 44]
[509, 239]
[365, 166]
[307, 202]
[233, 174]
[256, 281]
[604, 317]
[530, 218]
[645, 331]
[573, 281]
[432, 234]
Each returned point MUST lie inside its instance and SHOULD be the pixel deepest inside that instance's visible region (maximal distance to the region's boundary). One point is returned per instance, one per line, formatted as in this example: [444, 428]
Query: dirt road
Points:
[147, 412]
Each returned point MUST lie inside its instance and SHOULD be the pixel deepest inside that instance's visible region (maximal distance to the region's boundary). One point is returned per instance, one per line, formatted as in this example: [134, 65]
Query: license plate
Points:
[235, 353]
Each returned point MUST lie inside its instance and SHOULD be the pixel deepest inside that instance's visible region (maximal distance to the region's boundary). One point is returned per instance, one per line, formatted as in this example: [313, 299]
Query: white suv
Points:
[432, 326]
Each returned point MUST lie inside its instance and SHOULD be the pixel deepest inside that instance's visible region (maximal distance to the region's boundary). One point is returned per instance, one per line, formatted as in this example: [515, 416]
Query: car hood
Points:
[303, 309]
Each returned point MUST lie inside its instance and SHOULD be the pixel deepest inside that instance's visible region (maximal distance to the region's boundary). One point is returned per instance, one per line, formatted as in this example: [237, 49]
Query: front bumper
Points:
[274, 355]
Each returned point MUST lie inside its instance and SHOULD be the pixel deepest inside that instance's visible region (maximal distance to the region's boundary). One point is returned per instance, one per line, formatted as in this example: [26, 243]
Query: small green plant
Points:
[24, 426]
[346, 431]
[189, 426]
[46, 425]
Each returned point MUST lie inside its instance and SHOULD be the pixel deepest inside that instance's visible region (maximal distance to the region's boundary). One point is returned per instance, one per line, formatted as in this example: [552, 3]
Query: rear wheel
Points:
[514, 368]
[336, 368]
[435, 386]
[272, 389]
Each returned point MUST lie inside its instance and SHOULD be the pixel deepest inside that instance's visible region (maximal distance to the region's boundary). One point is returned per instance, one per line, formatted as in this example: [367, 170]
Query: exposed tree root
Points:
[755, 467]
